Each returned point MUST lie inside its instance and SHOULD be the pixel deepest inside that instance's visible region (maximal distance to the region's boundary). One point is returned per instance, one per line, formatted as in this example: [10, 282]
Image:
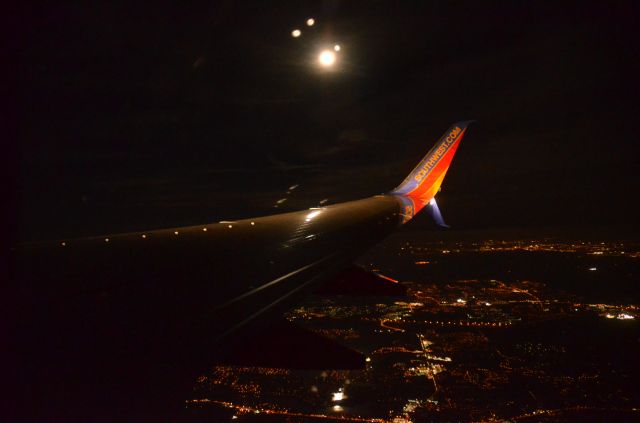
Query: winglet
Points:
[425, 179]
[435, 213]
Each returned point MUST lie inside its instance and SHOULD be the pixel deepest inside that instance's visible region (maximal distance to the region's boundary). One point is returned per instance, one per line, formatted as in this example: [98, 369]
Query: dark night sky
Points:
[154, 115]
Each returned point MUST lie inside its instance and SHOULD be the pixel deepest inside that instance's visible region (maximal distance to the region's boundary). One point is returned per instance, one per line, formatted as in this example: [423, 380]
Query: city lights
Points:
[499, 306]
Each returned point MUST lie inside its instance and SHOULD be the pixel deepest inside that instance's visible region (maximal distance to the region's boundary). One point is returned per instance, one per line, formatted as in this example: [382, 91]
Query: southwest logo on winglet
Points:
[438, 154]
[425, 179]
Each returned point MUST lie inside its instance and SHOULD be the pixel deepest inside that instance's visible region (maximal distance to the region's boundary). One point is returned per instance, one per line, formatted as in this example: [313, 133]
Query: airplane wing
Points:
[160, 293]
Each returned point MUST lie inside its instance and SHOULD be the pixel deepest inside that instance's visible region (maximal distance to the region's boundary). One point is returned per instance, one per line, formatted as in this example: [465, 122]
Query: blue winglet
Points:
[434, 210]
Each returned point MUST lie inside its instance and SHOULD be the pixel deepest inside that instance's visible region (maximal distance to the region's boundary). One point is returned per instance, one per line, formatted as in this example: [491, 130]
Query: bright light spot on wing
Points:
[432, 201]
[338, 396]
[312, 215]
[336, 47]
[296, 33]
[327, 58]
[311, 21]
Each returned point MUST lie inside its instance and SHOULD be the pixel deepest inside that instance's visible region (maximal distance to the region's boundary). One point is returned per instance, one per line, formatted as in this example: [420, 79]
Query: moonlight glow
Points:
[327, 58]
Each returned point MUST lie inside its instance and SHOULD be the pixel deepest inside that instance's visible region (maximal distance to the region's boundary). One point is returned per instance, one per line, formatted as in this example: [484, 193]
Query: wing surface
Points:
[109, 310]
